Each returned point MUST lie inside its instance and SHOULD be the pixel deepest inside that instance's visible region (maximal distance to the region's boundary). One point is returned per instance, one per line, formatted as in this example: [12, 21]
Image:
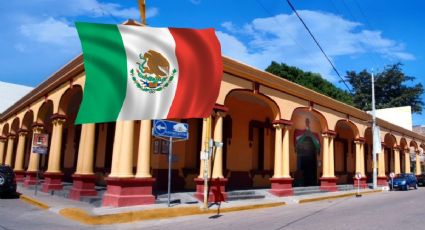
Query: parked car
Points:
[421, 179]
[7, 181]
[403, 181]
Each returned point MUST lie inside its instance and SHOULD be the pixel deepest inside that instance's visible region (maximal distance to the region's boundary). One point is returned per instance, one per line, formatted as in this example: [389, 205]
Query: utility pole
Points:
[142, 7]
[375, 147]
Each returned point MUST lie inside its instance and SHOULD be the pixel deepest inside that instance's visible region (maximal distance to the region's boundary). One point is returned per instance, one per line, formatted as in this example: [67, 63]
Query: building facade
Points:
[275, 134]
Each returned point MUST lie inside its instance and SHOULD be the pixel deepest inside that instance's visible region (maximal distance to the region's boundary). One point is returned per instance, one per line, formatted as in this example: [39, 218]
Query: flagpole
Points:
[142, 7]
[206, 161]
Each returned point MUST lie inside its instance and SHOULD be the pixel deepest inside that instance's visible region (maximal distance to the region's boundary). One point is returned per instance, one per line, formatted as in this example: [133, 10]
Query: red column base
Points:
[82, 185]
[362, 182]
[382, 181]
[30, 179]
[328, 184]
[281, 187]
[52, 181]
[19, 176]
[217, 189]
[122, 192]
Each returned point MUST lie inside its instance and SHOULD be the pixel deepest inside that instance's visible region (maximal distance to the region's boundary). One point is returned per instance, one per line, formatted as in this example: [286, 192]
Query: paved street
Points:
[390, 210]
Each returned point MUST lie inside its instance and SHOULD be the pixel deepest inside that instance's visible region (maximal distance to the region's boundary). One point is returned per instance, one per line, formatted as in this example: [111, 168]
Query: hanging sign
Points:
[40, 143]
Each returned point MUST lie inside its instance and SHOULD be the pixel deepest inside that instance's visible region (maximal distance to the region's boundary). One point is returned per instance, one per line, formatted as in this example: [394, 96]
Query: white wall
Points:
[11, 93]
[400, 116]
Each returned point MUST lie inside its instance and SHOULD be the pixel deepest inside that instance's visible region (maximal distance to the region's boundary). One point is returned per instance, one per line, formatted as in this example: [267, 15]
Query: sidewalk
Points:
[88, 214]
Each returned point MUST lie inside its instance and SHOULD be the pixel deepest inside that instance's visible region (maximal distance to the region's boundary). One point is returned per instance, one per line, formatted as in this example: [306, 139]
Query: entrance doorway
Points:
[306, 174]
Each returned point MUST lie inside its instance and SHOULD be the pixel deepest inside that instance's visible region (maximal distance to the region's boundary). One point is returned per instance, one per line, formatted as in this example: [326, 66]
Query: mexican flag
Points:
[138, 73]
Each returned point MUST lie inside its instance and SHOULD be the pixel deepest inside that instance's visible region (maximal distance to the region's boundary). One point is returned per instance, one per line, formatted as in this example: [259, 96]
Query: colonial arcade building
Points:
[276, 135]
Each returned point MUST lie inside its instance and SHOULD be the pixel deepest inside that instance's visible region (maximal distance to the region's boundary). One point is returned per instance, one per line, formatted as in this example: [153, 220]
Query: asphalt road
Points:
[389, 210]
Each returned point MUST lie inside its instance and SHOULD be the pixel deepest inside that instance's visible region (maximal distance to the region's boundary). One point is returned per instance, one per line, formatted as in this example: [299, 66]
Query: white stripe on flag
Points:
[137, 41]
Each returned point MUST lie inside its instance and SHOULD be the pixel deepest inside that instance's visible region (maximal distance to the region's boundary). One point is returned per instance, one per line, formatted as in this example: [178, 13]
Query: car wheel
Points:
[406, 187]
[2, 179]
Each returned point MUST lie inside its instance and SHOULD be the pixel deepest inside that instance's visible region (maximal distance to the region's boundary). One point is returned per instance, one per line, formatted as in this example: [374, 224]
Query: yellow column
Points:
[358, 156]
[9, 152]
[381, 163]
[418, 164]
[325, 161]
[125, 166]
[144, 153]
[218, 152]
[278, 151]
[86, 150]
[34, 157]
[116, 151]
[362, 157]
[20, 151]
[331, 156]
[55, 146]
[285, 153]
[397, 161]
[407, 160]
[2, 144]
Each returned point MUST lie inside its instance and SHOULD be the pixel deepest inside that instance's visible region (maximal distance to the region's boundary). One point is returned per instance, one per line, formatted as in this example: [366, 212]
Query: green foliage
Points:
[310, 80]
[390, 89]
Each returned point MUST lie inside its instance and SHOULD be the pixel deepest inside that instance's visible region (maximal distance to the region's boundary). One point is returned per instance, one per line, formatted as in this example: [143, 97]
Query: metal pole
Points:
[170, 147]
[374, 152]
[206, 161]
[36, 183]
[142, 6]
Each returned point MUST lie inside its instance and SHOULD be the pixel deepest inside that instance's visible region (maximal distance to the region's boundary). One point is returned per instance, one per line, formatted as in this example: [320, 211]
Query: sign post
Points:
[392, 175]
[168, 130]
[39, 146]
[358, 177]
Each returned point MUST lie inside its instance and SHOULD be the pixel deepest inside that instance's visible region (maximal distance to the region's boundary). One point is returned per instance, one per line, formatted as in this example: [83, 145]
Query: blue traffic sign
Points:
[164, 128]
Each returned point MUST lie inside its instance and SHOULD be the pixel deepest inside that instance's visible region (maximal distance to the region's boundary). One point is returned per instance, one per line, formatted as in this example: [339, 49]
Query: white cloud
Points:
[51, 31]
[284, 39]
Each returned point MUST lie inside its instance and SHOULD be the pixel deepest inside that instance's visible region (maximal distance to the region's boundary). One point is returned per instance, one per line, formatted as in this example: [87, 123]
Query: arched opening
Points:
[306, 150]
[14, 130]
[249, 140]
[27, 125]
[413, 148]
[69, 105]
[4, 133]
[368, 151]
[390, 143]
[345, 151]
[44, 118]
[403, 152]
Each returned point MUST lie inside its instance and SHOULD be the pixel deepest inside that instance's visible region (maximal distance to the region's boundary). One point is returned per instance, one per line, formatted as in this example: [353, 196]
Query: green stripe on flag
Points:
[105, 65]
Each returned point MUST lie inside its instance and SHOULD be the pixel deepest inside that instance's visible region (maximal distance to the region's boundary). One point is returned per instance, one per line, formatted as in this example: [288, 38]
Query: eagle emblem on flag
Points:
[153, 72]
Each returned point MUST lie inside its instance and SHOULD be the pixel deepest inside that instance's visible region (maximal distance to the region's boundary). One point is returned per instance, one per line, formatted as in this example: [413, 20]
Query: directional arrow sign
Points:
[164, 128]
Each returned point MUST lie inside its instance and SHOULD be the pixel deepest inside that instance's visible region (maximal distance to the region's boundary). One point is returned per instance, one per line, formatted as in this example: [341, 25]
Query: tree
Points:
[391, 89]
[310, 80]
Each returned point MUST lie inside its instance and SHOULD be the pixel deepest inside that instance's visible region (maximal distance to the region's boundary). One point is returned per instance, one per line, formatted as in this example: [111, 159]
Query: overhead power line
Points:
[317, 43]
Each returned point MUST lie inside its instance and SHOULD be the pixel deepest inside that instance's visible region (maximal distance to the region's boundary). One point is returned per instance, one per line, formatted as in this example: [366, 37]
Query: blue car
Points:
[403, 181]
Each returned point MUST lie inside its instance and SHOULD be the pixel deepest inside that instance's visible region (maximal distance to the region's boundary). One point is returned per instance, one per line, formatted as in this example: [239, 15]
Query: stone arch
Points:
[345, 151]
[305, 147]
[403, 151]
[390, 142]
[14, 128]
[368, 151]
[69, 105]
[5, 130]
[414, 144]
[27, 120]
[249, 153]
[315, 114]
[259, 98]
[43, 118]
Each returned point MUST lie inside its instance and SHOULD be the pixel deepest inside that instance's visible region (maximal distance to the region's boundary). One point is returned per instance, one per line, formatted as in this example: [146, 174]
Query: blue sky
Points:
[38, 36]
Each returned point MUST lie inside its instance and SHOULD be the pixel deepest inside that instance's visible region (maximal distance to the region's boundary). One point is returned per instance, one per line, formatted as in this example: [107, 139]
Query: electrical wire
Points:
[320, 47]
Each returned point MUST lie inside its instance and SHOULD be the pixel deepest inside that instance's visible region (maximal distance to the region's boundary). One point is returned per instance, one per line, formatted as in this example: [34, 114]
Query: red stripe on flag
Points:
[200, 71]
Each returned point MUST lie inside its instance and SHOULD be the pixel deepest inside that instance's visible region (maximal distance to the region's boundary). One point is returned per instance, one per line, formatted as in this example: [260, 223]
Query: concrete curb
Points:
[308, 200]
[33, 202]
[126, 217]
